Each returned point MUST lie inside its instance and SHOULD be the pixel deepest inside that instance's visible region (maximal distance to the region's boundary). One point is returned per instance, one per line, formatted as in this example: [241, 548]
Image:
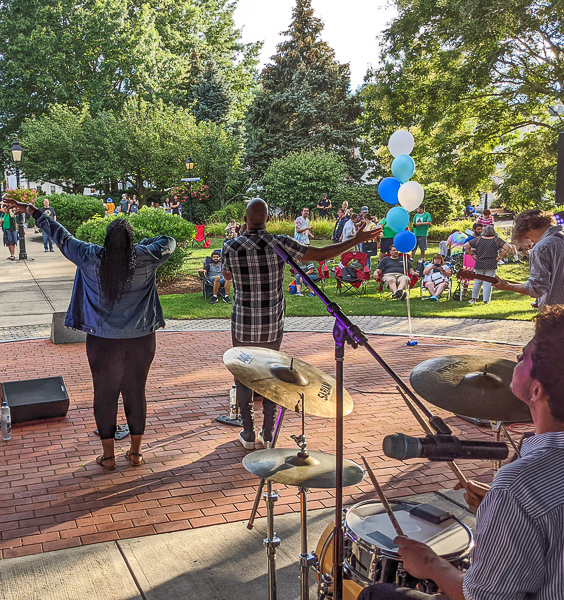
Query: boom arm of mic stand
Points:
[353, 335]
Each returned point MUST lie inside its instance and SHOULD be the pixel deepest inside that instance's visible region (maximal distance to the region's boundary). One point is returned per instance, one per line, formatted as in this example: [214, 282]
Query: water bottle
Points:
[6, 421]
[233, 402]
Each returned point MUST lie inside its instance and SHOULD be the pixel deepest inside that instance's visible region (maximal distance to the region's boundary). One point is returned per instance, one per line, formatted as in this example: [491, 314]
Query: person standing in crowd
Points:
[349, 230]
[110, 207]
[488, 249]
[362, 215]
[115, 302]
[486, 218]
[519, 540]
[421, 222]
[175, 205]
[339, 225]
[302, 228]
[546, 260]
[134, 205]
[345, 208]
[369, 248]
[124, 204]
[50, 212]
[259, 303]
[324, 206]
[387, 239]
[9, 229]
[167, 206]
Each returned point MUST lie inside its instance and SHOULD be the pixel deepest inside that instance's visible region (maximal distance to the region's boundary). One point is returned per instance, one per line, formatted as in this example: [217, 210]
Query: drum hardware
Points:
[271, 542]
[453, 466]
[277, 427]
[345, 332]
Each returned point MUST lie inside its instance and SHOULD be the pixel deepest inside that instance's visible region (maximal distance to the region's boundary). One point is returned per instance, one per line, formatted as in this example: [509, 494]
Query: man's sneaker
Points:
[396, 294]
[226, 300]
[473, 301]
[403, 295]
[262, 440]
[310, 295]
[247, 439]
[299, 294]
[214, 300]
[434, 298]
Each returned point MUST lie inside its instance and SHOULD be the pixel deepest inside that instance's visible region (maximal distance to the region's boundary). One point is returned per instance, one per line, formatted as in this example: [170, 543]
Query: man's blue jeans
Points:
[47, 241]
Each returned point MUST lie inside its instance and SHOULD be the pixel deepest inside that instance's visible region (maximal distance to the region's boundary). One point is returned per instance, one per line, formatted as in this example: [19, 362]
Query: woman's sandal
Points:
[128, 456]
[100, 460]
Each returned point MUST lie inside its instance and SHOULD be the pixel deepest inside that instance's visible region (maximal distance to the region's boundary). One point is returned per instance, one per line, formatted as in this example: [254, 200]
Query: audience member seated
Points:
[435, 277]
[391, 270]
[214, 275]
[232, 229]
[309, 270]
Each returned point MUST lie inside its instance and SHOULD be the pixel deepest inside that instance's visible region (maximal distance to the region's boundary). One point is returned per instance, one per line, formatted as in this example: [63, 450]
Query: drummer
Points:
[519, 551]
[258, 306]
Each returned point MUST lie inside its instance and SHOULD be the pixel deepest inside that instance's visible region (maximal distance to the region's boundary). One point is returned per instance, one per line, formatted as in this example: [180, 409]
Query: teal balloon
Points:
[388, 189]
[397, 218]
[405, 241]
[403, 168]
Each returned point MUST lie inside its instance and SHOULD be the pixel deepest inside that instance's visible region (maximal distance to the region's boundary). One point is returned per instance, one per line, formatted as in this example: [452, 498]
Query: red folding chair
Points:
[350, 278]
[468, 263]
[201, 238]
[323, 273]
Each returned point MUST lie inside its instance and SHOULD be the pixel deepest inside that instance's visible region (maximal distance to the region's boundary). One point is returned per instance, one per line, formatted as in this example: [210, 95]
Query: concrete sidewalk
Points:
[223, 562]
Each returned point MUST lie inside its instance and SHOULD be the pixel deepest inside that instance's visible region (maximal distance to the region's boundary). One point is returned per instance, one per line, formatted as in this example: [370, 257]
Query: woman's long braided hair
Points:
[117, 265]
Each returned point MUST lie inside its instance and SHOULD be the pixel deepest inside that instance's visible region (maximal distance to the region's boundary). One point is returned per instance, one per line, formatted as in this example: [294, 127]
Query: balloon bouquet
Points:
[408, 194]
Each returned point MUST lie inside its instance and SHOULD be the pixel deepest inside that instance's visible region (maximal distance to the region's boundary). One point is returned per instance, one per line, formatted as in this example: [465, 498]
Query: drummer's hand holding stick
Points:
[475, 492]
[462, 481]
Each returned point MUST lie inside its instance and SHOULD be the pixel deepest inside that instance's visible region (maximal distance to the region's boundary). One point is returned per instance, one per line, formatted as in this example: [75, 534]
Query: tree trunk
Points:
[140, 187]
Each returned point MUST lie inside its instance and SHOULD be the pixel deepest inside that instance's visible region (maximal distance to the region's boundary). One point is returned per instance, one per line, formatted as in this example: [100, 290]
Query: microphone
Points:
[442, 447]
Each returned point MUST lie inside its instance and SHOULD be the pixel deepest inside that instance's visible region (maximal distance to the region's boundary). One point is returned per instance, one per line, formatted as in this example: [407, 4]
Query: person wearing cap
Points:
[324, 206]
[110, 207]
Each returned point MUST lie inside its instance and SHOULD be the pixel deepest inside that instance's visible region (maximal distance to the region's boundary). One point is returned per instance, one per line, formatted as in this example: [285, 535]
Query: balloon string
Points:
[408, 295]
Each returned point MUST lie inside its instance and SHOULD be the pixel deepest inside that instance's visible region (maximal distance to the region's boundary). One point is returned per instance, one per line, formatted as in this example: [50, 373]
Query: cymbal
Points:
[281, 378]
[472, 386]
[283, 465]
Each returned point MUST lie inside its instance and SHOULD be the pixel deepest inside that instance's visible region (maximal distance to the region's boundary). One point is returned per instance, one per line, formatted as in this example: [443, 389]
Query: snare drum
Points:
[370, 555]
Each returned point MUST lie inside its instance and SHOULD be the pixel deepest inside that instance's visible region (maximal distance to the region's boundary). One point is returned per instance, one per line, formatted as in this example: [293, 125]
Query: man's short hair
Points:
[354, 216]
[531, 219]
[305, 208]
[216, 251]
[421, 206]
[548, 361]
[476, 225]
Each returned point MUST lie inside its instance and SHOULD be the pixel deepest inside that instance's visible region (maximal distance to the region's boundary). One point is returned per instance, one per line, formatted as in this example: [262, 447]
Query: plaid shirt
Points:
[546, 262]
[258, 279]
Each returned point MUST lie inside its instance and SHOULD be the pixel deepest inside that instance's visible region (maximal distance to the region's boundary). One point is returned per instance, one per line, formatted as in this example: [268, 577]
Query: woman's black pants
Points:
[120, 365]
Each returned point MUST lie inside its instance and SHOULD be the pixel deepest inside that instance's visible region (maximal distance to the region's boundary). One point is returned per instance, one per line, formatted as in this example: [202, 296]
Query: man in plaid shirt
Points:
[259, 304]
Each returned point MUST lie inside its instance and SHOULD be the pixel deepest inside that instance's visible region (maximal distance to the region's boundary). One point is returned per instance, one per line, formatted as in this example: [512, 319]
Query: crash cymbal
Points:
[283, 465]
[281, 378]
[472, 386]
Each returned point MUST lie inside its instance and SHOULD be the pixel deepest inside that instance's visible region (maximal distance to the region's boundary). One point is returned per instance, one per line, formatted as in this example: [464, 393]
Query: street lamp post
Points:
[189, 166]
[16, 152]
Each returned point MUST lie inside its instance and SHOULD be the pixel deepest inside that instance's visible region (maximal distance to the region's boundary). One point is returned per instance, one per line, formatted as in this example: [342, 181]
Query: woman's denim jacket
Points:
[138, 312]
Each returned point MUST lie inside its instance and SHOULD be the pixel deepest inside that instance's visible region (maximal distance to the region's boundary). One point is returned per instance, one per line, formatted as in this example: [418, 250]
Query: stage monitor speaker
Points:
[34, 399]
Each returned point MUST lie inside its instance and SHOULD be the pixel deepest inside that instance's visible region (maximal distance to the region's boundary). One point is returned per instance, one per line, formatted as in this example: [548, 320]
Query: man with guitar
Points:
[546, 259]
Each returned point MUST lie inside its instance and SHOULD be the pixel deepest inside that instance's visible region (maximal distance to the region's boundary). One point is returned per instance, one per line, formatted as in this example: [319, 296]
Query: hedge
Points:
[147, 223]
[73, 209]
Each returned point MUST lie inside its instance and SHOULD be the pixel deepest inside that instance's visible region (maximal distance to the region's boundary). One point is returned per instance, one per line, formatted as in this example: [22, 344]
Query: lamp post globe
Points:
[16, 152]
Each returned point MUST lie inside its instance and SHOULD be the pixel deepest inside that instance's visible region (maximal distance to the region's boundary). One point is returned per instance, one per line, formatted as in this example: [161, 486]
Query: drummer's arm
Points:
[422, 562]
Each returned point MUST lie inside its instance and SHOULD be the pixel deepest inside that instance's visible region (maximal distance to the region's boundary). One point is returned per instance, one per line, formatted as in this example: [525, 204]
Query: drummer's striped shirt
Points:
[519, 551]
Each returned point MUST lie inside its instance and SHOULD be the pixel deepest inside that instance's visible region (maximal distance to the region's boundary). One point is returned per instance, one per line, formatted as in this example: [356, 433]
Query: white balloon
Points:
[411, 195]
[401, 142]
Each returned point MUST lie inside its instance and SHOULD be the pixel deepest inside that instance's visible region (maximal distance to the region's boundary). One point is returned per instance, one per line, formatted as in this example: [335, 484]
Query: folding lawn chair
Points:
[200, 238]
[448, 290]
[352, 278]
[469, 263]
[207, 286]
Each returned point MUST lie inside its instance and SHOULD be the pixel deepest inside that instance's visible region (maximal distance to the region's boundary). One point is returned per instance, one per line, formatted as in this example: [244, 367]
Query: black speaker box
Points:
[34, 399]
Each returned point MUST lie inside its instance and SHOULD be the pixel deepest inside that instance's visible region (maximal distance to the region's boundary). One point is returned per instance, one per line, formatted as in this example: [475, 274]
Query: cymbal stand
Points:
[271, 542]
[307, 560]
[277, 427]
[345, 332]
[496, 428]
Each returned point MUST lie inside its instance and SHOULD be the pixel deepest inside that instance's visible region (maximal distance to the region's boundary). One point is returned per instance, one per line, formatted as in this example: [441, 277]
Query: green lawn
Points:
[504, 305]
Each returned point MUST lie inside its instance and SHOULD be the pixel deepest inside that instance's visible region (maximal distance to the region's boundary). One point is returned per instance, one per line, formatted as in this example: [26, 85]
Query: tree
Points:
[299, 178]
[101, 52]
[213, 96]
[304, 101]
[486, 77]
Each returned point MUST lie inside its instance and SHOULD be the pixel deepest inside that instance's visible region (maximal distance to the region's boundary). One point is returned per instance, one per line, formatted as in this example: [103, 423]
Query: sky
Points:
[351, 28]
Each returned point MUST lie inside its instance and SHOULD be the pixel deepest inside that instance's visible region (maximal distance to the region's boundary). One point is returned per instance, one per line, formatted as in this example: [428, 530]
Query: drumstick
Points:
[383, 499]
[453, 466]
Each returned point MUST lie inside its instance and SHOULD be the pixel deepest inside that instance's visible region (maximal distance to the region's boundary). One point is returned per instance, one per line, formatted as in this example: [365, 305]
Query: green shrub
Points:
[148, 223]
[442, 203]
[361, 195]
[216, 230]
[73, 209]
[280, 227]
[234, 210]
[437, 233]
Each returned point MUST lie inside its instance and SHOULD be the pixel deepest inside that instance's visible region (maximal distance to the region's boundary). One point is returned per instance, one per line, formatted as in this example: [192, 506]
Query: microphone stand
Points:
[345, 332]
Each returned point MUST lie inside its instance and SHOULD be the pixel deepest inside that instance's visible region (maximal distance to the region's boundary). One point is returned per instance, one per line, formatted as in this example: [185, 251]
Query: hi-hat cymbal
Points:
[281, 378]
[283, 465]
[472, 386]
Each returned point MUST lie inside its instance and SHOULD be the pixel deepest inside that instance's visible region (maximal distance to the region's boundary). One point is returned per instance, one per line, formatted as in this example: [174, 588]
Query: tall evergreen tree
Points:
[213, 96]
[305, 100]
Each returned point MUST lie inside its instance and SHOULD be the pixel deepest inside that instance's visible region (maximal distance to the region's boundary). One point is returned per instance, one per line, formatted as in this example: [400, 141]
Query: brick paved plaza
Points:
[55, 496]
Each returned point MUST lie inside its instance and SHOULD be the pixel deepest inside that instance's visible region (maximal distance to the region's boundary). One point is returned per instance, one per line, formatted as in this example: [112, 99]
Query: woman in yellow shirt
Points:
[110, 207]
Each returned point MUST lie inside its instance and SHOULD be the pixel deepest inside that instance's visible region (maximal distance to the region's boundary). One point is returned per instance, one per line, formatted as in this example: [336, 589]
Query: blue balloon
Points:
[388, 189]
[403, 168]
[397, 218]
[405, 241]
